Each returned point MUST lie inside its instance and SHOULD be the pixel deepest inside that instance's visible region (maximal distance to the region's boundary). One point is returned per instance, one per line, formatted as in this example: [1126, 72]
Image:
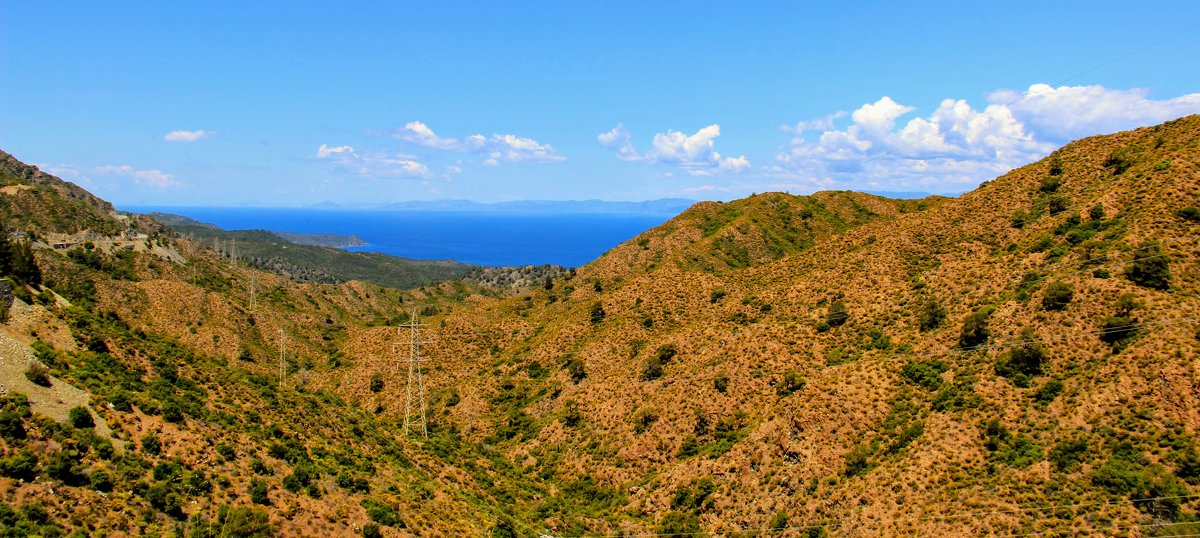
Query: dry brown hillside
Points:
[699, 374]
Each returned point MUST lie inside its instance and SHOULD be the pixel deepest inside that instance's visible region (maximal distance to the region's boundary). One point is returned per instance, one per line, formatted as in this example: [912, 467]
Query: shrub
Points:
[151, 444]
[779, 521]
[1120, 160]
[21, 466]
[721, 382]
[1191, 213]
[376, 383]
[1068, 454]
[1058, 295]
[716, 296]
[576, 370]
[80, 417]
[381, 513]
[1048, 391]
[858, 460]
[38, 375]
[258, 492]
[1117, 331]
[1050, 184]
[838, 314]
[792, 382]
[927, 374]
[1151, 269]
[931, 315]
[65, 467]
[1056, 166]
[654, 365]
[1096, 212]
[596, 315]
[371, 530]
[100, 481]
[677, 524]
[1057, 204]
[1023, 362]
[1019, 218]
[11, 426]
[247, 523]
[975, 331]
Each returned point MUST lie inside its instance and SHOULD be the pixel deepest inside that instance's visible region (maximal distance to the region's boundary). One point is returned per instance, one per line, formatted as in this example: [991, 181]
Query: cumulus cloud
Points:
[420, 134]
[956, 146]
[153, 178]
[372, 165]
[496, 148]
[823, 123]
[695, 153]
[188, 136]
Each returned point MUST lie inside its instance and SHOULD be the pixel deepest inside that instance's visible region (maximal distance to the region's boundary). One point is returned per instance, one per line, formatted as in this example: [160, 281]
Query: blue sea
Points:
[493, 239]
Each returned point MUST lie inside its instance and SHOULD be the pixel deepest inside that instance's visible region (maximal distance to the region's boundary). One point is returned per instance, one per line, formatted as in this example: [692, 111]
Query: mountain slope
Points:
[715, 390]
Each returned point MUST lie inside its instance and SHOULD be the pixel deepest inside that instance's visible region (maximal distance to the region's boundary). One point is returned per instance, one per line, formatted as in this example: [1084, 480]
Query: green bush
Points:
[1096, 213]
[838, 314]
[1151, 269]
[1048, 391]
[383, 514]
[575, 369]
[1068, 454]
[858, 460]
[376, 384]
[1120, 160]
[930, 315]
[1050, 184]
[1057, 296]
[927, 374]
[1023, 362]
[259, 492]
[792, 382]
[21, 466]
[1019, 218]
[654, 365]
[247, 523]
[80, 417]
[596, 314]
[1057, 204]
[1191, 213]
[721, 382]
[678, 525]
[975, 331]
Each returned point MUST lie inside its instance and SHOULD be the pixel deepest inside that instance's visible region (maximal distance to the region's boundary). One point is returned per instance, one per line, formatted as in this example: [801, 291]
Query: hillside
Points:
[299, 259]
[1025, 354]
[1021, 360]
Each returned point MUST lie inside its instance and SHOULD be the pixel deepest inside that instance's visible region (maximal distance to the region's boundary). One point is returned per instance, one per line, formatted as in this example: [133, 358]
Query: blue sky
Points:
[272, 103]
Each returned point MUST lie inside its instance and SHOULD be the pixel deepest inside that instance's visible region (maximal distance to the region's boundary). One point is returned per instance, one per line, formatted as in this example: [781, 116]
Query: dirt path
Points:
[53, 401]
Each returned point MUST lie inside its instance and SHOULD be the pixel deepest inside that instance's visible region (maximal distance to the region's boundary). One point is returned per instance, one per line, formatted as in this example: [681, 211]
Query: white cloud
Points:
[823, 123]
[372, 165]
[694, 153]
[619, 140]
[1068, 112]
[957, 146]
[325, 151]
[420, 134]
[496, 148]
[153, 178]
[188, 136]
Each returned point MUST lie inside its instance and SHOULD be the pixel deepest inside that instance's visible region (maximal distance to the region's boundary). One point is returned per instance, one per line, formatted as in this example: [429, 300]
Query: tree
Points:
[597, 313]
[1151, 269]
[930, 315]
[1058, 295]
[975, 331]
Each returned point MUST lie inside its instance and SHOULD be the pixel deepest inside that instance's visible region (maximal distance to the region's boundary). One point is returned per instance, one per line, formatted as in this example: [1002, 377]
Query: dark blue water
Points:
[479, 238]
